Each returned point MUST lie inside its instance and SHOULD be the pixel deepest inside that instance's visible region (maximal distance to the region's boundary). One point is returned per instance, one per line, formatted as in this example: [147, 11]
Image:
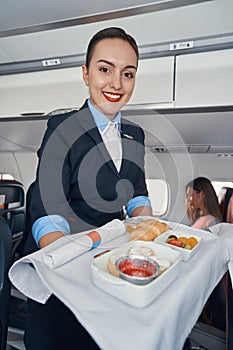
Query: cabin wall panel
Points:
[8, 165]
[21, 165]
[27, 164]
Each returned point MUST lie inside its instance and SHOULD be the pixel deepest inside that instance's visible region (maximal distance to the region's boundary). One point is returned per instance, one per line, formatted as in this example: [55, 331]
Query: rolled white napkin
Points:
[80, 243]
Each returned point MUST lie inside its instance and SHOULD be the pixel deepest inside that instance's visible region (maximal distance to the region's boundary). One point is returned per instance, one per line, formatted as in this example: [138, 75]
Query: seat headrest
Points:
[226, 203]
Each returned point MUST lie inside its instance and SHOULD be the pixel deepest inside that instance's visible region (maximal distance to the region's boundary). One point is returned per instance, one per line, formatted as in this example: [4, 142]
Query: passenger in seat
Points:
[203, 209]
[91, 169]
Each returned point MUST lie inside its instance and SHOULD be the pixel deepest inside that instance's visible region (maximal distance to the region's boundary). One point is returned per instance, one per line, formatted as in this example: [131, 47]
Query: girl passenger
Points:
[203, 209]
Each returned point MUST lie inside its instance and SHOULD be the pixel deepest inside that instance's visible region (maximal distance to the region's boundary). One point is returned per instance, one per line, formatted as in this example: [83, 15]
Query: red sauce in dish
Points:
[130, 269]
[137, 272]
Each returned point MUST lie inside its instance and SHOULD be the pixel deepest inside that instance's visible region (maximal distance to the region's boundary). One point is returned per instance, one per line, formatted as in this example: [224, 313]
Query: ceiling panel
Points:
[27, 16]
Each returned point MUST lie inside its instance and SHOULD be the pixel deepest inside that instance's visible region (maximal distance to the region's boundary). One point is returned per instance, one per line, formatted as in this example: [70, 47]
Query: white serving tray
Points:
[135, 295]
[186, 254]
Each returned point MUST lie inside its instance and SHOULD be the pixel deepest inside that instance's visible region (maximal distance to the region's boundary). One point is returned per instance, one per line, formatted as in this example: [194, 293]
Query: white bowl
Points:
[186, 253]
[137, 269]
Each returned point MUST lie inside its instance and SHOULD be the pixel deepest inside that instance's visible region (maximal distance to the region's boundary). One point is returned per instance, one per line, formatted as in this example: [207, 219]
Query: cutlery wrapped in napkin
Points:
[77, 244]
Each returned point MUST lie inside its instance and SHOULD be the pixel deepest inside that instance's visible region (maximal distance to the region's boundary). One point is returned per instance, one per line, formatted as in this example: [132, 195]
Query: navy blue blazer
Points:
[76, 177]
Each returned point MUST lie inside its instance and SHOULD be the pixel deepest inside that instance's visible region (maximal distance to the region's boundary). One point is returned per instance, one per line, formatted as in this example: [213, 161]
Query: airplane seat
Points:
[216, 321]
[5, 285]
[226, 204]
[27, 230]
[12, 208]
[18, 303]
[215, 311]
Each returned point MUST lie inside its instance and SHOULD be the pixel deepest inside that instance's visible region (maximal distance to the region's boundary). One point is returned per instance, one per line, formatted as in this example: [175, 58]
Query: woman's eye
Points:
[128, 75]
[104, 70]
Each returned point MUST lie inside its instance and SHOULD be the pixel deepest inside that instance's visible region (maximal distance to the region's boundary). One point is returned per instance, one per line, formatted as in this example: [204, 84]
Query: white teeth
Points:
[112, 96]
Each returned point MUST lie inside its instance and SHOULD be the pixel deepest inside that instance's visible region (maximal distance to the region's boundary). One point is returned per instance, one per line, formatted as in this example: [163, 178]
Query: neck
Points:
[204, 211]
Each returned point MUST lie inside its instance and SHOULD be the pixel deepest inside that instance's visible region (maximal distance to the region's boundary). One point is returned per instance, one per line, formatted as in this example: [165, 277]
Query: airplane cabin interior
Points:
[183, 100]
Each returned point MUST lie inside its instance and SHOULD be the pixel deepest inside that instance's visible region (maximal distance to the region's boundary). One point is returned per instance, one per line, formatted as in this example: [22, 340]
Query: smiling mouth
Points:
[111, 97]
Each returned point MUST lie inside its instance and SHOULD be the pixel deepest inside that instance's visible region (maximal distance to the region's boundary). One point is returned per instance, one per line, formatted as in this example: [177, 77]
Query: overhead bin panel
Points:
[204, 79]
[41, 92]
[4, 57]
[154, 82]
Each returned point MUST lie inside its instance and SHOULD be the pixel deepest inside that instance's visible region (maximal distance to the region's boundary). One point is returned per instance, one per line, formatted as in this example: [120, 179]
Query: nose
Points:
[115, 82]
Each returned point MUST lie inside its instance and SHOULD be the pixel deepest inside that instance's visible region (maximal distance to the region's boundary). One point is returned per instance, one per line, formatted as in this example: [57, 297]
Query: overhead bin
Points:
[192, 80]
[41, 92]
[204, 79]
[154, 82]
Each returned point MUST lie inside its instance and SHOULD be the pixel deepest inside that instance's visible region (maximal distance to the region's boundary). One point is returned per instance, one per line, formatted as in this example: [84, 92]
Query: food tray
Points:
[135, 295]
[186, 254]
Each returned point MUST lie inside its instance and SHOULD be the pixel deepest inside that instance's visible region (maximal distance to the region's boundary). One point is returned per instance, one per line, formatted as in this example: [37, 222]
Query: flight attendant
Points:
[90, 171]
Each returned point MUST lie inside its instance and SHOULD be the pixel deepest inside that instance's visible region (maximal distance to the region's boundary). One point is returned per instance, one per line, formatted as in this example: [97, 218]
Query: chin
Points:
[112, 108]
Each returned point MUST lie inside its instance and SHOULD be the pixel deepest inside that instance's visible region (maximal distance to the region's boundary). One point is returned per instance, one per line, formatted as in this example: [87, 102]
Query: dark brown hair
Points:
[108, 33]
[211, 200]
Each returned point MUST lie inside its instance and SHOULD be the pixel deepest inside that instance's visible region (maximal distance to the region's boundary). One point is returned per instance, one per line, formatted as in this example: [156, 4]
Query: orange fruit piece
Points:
[184, 240]
[192, 241]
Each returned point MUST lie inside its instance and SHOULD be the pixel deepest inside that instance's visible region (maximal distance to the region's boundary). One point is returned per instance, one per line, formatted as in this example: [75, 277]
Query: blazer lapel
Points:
[128, 147]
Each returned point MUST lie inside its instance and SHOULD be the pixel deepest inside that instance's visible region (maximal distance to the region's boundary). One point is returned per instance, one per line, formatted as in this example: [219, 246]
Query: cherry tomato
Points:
[176, 242]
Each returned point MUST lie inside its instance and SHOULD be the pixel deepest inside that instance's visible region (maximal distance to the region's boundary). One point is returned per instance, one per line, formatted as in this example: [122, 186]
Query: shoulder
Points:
[57, 119]
[212, 220]
[204, 222]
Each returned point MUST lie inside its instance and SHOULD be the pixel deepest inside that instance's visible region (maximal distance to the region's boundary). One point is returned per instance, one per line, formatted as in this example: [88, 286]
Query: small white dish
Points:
[186, 253]
[137, 269]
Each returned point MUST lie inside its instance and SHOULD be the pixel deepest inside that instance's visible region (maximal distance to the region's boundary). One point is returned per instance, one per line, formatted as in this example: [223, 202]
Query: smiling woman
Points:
[95, 162]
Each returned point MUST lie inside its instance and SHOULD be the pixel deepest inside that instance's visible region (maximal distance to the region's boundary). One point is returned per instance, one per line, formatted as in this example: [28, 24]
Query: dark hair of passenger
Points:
[109, 33]
[211, 200]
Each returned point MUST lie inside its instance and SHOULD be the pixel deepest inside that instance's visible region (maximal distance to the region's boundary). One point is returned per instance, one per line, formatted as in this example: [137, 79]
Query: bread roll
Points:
[130, 227]
[111, 265]
[148, 230]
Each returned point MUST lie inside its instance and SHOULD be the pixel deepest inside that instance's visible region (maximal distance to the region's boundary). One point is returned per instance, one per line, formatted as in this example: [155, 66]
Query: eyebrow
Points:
[113, 65]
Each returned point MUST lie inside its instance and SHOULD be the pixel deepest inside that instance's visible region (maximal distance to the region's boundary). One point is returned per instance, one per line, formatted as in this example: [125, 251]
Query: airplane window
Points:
[6, 177]
[158, 193]
[219, 184]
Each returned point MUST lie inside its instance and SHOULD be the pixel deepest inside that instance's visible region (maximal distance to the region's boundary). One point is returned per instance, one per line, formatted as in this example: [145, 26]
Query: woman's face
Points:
[195, 198]
[111, 75]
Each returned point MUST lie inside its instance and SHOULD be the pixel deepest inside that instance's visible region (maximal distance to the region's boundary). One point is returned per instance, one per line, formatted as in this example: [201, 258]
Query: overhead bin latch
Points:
[181, 46]
[51, 62]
